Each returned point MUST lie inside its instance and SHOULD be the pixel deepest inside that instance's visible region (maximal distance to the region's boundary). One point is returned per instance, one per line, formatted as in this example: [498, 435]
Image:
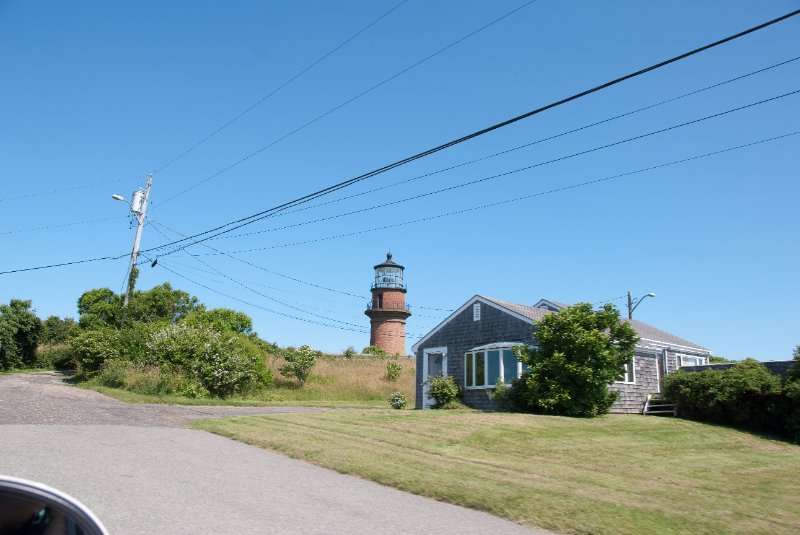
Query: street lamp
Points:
[632, 306]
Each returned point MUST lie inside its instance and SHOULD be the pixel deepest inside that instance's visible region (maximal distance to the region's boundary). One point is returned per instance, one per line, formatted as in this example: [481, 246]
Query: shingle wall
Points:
[633, 396]
[463, 334]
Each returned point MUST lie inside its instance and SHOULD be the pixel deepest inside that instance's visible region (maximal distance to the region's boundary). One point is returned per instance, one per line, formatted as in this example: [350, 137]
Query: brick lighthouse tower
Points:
[388, 311]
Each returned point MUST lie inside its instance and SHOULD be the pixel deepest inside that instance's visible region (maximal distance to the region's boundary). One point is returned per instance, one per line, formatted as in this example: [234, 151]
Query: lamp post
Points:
[139, 210]
[633, 303]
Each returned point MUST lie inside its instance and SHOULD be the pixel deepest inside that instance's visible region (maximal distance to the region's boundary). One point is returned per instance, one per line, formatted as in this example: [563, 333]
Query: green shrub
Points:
[223, 363]
[397, 400]
[374, 350]
[55, 357]
[746, 395]
[149, 379]
[443, 390]
[581, 351]
[349, 352]
[56, 330]
[19, 335]
[393, 371]
[91, 348]
[299, 363]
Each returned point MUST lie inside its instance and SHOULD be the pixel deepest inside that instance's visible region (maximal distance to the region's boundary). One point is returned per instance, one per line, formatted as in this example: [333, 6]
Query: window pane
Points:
[468, 367]
[480, 376]
[493, 366]
[509, 365]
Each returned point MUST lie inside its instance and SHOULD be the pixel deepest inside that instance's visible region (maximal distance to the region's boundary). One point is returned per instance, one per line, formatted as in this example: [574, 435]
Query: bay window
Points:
[484, 366]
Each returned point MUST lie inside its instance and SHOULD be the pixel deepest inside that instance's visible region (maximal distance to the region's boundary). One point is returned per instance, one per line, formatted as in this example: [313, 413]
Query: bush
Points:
[55, 357]
[223, 363]
[299, 363]
[443, 390]
[374, 351]
[393, 371]
[149, 379]
[581, 351]
[746, 395]
[91, 348]
[57, 331]
[19, 335]
[349, 352]
[397, 400]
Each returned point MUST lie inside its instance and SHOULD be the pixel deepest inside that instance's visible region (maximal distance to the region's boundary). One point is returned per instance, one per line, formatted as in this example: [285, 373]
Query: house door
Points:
[434, 364]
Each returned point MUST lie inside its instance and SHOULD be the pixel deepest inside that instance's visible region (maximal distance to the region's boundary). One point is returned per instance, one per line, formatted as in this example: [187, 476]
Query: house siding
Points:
[462, 334]
[633, 395]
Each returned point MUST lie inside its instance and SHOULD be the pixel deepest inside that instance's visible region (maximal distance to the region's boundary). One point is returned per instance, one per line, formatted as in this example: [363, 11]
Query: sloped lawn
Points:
[615, 474]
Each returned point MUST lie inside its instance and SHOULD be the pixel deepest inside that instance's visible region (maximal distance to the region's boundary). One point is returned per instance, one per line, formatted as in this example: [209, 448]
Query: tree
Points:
[299, 363]
[56, 330]
[160, 303]
[19, 334]
[221, 319]
[581, 351]
[98, 308]
[101, 307]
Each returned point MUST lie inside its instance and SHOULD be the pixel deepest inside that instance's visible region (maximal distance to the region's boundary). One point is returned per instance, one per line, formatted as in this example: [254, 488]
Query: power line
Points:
[439, 171]
[348, 101]
[518, 147]
[62, 225]
[69, 188]
[274, 91]
[260, 215]
[513, 171]
[515, 199]
[359, 297]
[325, 191]
[361, 331]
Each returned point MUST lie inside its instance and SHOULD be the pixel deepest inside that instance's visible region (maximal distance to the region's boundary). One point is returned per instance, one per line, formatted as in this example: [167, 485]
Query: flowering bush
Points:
[397, 400]
[224, 363]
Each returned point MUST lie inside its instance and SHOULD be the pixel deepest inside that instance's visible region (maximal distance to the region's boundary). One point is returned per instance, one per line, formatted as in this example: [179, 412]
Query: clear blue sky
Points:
[99, 91]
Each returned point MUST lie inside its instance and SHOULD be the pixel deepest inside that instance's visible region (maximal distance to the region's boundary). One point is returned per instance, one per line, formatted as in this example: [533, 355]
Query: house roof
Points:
[647, 333]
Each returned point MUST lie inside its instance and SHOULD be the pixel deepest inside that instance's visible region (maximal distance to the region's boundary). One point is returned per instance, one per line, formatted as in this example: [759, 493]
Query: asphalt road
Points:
[140, 471]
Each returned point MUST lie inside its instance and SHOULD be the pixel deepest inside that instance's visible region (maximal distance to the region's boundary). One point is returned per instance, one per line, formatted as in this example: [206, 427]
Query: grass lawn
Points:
[615, 474]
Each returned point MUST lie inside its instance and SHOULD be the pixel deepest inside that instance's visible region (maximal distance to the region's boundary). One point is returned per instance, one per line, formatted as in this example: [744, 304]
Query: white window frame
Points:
[476, 312]
[500, 346]
[681, 357]
[629, 377]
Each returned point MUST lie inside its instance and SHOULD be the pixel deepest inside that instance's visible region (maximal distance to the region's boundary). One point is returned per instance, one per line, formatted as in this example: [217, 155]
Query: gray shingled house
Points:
[474, 345]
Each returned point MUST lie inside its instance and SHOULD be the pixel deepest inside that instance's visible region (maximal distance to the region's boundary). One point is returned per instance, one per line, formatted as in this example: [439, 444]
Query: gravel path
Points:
[140, 471]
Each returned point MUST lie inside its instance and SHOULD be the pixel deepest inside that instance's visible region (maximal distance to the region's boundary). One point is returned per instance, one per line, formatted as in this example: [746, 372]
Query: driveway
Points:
[141, 471]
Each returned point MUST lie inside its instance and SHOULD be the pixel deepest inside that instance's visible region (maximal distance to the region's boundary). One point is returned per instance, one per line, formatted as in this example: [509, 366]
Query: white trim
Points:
[461, 309]
[680, 357]
[632, 362]
[669, 345]
[426, 401]
[476, 312]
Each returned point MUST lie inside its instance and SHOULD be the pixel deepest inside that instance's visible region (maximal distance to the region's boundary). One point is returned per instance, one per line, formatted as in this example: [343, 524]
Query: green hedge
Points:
[746, 396]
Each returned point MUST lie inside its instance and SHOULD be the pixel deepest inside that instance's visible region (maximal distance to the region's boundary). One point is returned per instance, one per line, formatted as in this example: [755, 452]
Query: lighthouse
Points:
[388, 310]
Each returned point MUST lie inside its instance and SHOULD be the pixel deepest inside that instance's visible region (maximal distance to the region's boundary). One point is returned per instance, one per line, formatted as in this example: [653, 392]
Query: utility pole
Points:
[139, 212]
[632, 306]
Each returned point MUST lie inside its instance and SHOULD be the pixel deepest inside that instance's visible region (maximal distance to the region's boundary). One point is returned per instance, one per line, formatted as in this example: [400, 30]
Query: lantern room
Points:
[389, 275]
